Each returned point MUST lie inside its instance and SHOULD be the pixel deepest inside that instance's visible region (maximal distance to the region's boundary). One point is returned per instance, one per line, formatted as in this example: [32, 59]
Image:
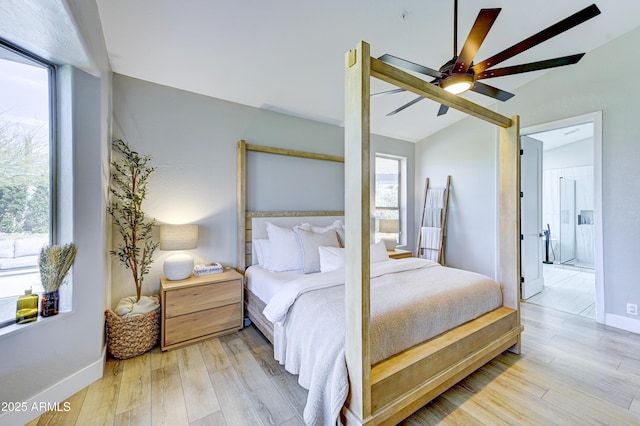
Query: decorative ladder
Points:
[433, 223]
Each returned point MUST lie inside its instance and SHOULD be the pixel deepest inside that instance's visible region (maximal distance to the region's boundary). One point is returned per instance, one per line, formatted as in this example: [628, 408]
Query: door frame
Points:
[531, 149]
[596, 118]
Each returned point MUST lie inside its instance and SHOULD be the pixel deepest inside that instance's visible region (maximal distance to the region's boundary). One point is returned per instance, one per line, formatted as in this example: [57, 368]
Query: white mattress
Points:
[265, 284]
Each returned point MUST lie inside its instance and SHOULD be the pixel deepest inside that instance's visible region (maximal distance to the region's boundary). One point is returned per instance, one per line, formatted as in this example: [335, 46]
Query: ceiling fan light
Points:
[457, 83]
[457, 88]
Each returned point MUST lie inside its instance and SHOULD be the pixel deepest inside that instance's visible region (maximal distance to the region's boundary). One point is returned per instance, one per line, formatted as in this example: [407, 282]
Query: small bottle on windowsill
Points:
[27, 307]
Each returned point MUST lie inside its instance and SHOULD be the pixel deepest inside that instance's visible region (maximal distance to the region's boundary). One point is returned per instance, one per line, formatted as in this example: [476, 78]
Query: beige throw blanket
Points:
[407, 307]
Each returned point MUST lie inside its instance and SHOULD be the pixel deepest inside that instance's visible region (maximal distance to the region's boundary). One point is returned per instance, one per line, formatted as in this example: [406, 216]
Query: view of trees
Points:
[24, 178]
[387, 181]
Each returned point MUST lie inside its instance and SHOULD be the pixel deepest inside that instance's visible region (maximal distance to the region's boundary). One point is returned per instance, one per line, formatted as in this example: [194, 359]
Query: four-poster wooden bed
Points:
[393, 388]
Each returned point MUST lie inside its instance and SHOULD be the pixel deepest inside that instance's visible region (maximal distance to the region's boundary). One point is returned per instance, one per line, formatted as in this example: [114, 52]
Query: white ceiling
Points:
[552, 139]
[288, 55]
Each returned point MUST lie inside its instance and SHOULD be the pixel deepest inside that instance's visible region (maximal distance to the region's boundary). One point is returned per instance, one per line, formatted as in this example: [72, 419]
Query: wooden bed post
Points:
[509, 243]
[242, 203]
[357, 227]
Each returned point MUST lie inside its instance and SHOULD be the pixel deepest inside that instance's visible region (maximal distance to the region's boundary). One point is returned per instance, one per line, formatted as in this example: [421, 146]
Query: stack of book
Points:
[207, 269]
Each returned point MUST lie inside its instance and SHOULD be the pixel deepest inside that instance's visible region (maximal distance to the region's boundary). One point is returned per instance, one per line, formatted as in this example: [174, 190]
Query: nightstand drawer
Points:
[399, 254]
[198, 298]
[198, 308]
[199, 324]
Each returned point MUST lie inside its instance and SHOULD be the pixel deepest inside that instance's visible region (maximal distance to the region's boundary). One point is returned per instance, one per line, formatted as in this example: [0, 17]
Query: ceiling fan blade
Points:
[388, 92]
[403, 63]
[442, 110]
[532, 66]
[552, 31]
[492, 92]
[474, 40]
[407, 105]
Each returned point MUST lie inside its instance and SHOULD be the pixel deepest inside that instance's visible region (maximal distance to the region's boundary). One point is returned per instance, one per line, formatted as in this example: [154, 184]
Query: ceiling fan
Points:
[461, 74]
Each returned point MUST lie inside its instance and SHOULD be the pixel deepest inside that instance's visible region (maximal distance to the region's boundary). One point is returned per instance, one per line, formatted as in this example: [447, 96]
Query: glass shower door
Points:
[567, 220]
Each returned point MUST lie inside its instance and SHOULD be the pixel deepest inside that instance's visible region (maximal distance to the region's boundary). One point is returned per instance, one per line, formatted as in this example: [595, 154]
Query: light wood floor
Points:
[572, 371]
[568, 289]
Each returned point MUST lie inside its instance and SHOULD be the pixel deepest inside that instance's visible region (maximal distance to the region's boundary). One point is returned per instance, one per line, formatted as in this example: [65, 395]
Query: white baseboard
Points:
[52, 397]
[625, 323]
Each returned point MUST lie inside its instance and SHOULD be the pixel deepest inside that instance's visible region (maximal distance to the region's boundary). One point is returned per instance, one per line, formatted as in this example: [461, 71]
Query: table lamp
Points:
[178, 266]
[389, 226]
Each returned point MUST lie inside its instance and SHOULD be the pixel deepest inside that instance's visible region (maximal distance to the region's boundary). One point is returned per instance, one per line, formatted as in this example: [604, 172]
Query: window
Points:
[26, 172]
[390, 214]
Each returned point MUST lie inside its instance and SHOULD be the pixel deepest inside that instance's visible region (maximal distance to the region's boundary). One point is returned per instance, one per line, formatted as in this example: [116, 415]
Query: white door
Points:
[531, 216]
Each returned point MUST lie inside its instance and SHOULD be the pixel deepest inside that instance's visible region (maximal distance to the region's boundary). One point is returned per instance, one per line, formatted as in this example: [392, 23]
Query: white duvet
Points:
[412, 300]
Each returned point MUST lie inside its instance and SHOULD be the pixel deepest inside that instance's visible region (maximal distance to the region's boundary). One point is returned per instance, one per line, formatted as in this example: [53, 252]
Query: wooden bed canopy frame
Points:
[393, 389]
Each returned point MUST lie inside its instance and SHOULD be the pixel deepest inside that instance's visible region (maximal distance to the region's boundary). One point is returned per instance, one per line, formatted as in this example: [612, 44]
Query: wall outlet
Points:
[632, 309]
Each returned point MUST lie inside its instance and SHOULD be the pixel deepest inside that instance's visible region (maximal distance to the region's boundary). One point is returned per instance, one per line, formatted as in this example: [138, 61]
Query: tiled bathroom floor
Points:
[567, 289]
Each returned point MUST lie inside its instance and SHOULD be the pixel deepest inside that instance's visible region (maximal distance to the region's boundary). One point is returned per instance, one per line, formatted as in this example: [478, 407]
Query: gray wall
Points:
[52, 359]
[567, 92]
[467, 152]
[193, 141]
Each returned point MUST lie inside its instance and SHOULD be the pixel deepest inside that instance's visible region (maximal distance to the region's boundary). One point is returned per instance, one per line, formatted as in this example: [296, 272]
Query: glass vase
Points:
[49, 304]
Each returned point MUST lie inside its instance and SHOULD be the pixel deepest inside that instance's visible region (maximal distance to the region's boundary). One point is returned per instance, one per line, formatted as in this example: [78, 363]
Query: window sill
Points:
[14, 329]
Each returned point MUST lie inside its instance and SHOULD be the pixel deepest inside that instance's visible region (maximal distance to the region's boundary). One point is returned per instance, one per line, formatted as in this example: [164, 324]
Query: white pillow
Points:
[310, 242]
[257, 249]
[335, 225]
[331, 258]
[378, 252]
[286, 254]
[263, 252]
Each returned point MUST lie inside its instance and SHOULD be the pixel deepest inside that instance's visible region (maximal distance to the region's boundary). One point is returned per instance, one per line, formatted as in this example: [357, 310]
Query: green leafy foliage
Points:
[13, 208]
[24, 178]
[129, 179]
[37, 218]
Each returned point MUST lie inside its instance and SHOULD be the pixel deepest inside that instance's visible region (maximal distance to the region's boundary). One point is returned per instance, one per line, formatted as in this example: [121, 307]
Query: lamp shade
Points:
[178, 266]
[389, 226]
[178, 237]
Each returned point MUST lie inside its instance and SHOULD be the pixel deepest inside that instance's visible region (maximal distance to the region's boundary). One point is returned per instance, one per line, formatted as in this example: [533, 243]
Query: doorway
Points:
[570, 234]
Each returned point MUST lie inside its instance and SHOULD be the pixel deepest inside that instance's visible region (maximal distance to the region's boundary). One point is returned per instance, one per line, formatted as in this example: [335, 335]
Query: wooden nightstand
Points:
[399, 254]
[200, 307]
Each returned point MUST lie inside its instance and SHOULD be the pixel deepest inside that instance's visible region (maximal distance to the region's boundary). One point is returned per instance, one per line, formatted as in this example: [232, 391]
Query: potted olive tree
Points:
[133, 328]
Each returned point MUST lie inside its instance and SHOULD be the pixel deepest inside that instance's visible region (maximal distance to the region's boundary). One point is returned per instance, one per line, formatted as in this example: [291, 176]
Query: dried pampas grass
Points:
[54, 264]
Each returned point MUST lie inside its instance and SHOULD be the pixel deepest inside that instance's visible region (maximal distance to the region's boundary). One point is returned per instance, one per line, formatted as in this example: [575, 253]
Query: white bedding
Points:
[412, 300]
[265, 284]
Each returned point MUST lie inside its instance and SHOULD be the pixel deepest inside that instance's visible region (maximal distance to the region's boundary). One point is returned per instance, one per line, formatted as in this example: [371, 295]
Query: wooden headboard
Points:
[245, 217]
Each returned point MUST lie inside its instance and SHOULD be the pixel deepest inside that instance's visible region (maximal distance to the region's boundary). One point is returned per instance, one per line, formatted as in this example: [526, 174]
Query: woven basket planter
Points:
[132, 336]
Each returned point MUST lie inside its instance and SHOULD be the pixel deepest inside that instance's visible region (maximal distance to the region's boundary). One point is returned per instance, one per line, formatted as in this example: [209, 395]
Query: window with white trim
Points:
[26, 172]
[390, 183]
